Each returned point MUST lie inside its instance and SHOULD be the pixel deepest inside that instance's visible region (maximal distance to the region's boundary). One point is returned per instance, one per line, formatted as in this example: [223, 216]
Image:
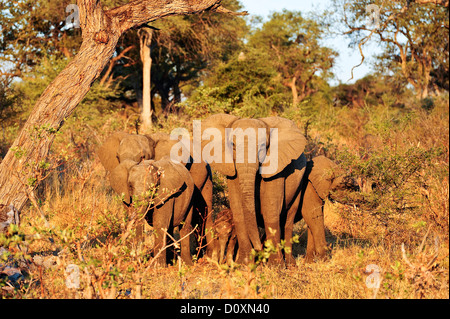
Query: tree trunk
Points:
[101, 31]
[145, 36]
[293, 86]
[56, 103]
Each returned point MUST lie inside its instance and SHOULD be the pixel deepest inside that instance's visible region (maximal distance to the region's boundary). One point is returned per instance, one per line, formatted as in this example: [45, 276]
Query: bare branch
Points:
[221, 9]
[175, 243]
[422, 244]
[112, 63]
[372, 31]
[436, 253]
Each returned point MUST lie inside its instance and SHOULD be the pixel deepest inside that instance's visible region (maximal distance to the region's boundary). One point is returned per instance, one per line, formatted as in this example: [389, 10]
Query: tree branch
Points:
[139, 12]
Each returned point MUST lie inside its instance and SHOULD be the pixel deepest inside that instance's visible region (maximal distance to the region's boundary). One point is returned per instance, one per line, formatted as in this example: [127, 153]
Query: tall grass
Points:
[399, 156]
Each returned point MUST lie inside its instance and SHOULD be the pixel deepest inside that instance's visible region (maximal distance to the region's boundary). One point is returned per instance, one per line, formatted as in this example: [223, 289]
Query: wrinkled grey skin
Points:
[172, 207]
[121, 146]
[252, 194]
[322, 176]
[203, 186]
[224, 237]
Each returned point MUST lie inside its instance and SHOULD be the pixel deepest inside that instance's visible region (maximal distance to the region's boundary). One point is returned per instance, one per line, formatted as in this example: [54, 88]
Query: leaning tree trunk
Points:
[101, 31]
[145, 37]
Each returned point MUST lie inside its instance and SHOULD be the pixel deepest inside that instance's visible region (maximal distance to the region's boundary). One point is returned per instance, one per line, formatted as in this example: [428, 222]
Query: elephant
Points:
[203, 186]
[172, 207]
[121, 146]
[255, 187]
[322, 177]
[224, 237]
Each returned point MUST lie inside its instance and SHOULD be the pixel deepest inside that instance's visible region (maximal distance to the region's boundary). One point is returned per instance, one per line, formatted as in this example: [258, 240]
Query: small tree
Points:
[293, 45]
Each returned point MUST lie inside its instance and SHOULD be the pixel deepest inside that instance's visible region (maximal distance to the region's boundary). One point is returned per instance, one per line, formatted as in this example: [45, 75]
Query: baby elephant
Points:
[224, 237]
[322, 177]
[168, 208]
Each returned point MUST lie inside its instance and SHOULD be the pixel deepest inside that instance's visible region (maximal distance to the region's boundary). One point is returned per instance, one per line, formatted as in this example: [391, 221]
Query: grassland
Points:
[404, 153]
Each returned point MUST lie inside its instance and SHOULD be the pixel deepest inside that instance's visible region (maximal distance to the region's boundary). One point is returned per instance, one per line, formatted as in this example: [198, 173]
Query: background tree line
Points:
[254, 66]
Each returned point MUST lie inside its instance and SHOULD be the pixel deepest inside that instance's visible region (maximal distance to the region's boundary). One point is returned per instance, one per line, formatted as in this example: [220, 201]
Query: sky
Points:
[347, 57]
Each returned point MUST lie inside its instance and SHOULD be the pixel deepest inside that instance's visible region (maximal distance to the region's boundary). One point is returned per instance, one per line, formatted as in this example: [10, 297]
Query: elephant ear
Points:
[107, 153]
[118, 179]
[134, 147]
[219, 122]
[164, 145]
[324, 173]
[291, 143]
[152, 146]
[172, 178]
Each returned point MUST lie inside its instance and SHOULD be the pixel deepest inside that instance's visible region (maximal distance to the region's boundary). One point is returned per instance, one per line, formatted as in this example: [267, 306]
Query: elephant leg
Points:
[272, 198]
[214, 249]
[161, 223]
[139, 236]
[310, 247]
[236, 205]
[288, 230]
[312, 212]
[207, 196]
[223, 239]
[185, 243]
[230, 248]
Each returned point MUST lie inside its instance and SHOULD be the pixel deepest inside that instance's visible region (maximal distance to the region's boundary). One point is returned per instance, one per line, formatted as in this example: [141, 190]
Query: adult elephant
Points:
[256, 179]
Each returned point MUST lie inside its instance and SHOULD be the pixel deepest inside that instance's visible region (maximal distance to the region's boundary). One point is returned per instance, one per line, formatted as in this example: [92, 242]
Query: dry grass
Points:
[88, 222]
[86, 232]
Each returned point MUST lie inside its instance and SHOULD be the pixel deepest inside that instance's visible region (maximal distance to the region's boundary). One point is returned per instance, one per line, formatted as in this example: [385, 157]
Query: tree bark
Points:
[145, 37]
[101, 31]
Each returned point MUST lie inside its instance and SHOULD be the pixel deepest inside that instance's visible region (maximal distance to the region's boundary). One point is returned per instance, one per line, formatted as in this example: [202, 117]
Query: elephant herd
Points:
[173, 195]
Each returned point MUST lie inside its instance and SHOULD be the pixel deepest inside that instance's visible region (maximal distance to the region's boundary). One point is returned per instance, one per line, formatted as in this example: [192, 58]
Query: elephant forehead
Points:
[140, 174]
[248, 123]
[131, 147]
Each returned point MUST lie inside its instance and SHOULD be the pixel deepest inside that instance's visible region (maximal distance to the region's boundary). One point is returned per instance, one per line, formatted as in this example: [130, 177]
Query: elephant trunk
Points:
[247, 177]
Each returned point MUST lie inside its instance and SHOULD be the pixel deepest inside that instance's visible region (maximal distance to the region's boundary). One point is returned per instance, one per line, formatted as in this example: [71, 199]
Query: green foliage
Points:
[32, 30]
[281, 63]
[372, 90]
[186, 47]
[394, 179]
[205, 102]
[246, 84]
